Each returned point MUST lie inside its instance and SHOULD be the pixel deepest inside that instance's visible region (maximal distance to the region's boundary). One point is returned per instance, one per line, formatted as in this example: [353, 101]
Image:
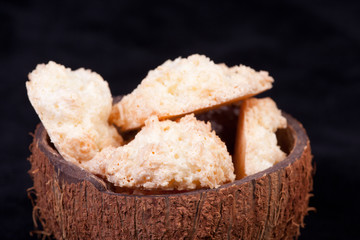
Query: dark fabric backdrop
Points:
[311, 48]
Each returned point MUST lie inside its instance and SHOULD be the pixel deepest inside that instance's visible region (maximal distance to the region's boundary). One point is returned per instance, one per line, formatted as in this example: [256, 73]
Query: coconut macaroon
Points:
[168, 155]
[187, 85]
[256, 144]
[74, 107]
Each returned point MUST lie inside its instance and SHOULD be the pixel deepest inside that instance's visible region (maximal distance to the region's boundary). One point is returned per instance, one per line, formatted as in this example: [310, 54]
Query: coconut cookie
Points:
[74, 107]
[256, 147]
[168, 155]
[187, 85]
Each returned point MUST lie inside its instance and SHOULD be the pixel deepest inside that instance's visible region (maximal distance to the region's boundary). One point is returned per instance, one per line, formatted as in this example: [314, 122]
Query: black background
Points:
[311, 48]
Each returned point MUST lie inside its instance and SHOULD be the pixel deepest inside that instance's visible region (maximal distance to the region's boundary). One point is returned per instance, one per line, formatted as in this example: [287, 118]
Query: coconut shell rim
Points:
[72, 173]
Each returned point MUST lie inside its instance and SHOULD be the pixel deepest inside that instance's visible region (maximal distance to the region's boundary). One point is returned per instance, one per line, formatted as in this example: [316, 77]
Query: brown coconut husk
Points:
[71, 203]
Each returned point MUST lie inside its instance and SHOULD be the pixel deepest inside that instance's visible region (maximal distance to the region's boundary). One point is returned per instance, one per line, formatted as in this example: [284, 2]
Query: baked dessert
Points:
[187, 85]
[168, 155]
[256, 144]
[74, 107]
[165, 155]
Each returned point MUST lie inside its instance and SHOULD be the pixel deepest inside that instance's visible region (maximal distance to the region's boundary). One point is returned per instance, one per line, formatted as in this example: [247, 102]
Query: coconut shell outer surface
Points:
[70, 203]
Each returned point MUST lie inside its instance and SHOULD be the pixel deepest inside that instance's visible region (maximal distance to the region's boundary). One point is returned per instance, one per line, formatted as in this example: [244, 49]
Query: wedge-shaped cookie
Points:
[168, 155]
[256, 144]
[74, 107]
[187, 85]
